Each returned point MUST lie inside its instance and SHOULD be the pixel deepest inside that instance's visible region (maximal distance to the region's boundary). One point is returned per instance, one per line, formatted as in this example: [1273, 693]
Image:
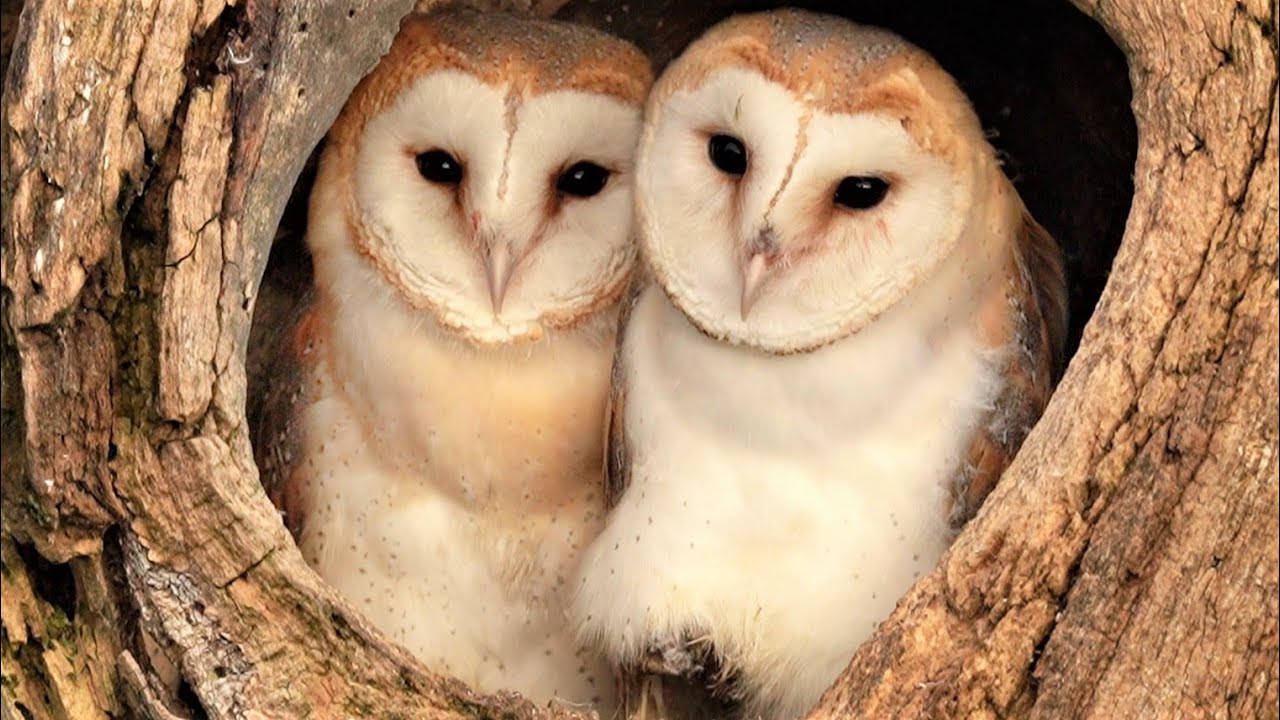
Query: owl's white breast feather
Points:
[450, 487]
[780, 504]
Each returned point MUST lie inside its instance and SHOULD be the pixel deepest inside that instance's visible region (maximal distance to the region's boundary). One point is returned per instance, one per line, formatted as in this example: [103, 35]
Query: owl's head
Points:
[483, 172]
[799, 174]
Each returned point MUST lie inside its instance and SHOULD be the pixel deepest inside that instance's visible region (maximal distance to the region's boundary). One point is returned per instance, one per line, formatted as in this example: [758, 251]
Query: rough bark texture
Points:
[149, 149]
[1126, 566]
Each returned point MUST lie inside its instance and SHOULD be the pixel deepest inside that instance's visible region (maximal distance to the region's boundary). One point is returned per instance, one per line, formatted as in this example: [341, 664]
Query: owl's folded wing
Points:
[1035, 328]
[617, 463]
[277, 368]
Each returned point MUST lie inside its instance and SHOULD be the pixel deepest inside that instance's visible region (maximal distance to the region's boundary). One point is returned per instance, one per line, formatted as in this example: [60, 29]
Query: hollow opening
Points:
[1049, 85]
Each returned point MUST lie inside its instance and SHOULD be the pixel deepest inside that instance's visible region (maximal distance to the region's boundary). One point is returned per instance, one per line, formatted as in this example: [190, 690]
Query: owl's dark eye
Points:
[439, 166]
[582, 179]
[861, 193]
[728, 154]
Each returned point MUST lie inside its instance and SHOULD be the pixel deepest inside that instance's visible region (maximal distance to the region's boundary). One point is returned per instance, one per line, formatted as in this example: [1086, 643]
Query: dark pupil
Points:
[582, 179]
[728, 153]
[860, 193]
[439, 166]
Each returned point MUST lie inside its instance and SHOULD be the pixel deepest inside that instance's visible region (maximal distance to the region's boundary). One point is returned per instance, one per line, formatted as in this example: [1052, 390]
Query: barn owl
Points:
[850, 323]
[471, 233]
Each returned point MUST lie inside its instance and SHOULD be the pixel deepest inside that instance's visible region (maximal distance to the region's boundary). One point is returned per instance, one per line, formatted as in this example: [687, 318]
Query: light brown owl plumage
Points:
[432, 424]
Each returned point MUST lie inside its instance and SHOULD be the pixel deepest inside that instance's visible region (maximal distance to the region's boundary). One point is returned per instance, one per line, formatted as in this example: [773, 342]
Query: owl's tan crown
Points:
[551, 56]
[834, 65]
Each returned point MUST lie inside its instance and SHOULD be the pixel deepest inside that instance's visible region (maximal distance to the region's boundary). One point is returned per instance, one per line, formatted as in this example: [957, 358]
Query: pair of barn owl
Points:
[841, 324]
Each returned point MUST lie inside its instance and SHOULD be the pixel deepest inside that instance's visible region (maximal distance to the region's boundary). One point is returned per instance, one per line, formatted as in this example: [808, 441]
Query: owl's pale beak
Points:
[498, 265]
[752, 275]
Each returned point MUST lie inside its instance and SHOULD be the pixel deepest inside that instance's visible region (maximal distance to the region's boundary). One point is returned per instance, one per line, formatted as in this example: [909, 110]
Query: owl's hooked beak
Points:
[752, 275]
[498, 266]
[763, 248]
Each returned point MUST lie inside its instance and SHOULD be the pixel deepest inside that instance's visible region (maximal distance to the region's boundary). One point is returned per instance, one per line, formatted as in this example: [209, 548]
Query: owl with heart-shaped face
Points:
[471, 232]
[850, 324]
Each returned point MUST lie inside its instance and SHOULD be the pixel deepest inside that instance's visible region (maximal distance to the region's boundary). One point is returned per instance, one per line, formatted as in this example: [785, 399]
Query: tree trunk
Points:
[1127, 564]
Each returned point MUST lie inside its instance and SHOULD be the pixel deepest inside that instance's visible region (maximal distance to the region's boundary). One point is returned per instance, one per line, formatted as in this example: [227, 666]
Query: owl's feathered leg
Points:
[655, 691]
[679, 679]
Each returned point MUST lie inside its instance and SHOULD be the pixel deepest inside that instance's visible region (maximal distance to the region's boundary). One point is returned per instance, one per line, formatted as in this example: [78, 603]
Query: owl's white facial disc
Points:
[771, 257]
[463, 204]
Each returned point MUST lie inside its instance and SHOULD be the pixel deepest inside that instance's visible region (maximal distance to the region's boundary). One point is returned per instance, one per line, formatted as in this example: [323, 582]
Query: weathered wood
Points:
[149, 149]
[1126, 566]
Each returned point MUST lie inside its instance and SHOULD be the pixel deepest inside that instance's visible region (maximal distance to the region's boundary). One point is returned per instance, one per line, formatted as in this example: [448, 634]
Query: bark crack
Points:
[250, 567]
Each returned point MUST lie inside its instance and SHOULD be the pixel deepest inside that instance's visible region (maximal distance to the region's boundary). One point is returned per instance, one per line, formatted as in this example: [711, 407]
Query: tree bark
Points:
[1127, 565]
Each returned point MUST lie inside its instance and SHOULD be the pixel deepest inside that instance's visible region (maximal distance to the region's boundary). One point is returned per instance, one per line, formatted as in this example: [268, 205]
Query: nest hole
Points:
[1050, 86]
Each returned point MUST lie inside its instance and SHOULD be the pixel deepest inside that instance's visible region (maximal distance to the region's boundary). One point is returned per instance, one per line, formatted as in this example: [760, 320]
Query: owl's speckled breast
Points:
[450, 493]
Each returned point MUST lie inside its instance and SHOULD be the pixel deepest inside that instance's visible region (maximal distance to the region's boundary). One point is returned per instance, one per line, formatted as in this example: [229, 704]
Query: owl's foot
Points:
[677, 656]
[683, 679]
